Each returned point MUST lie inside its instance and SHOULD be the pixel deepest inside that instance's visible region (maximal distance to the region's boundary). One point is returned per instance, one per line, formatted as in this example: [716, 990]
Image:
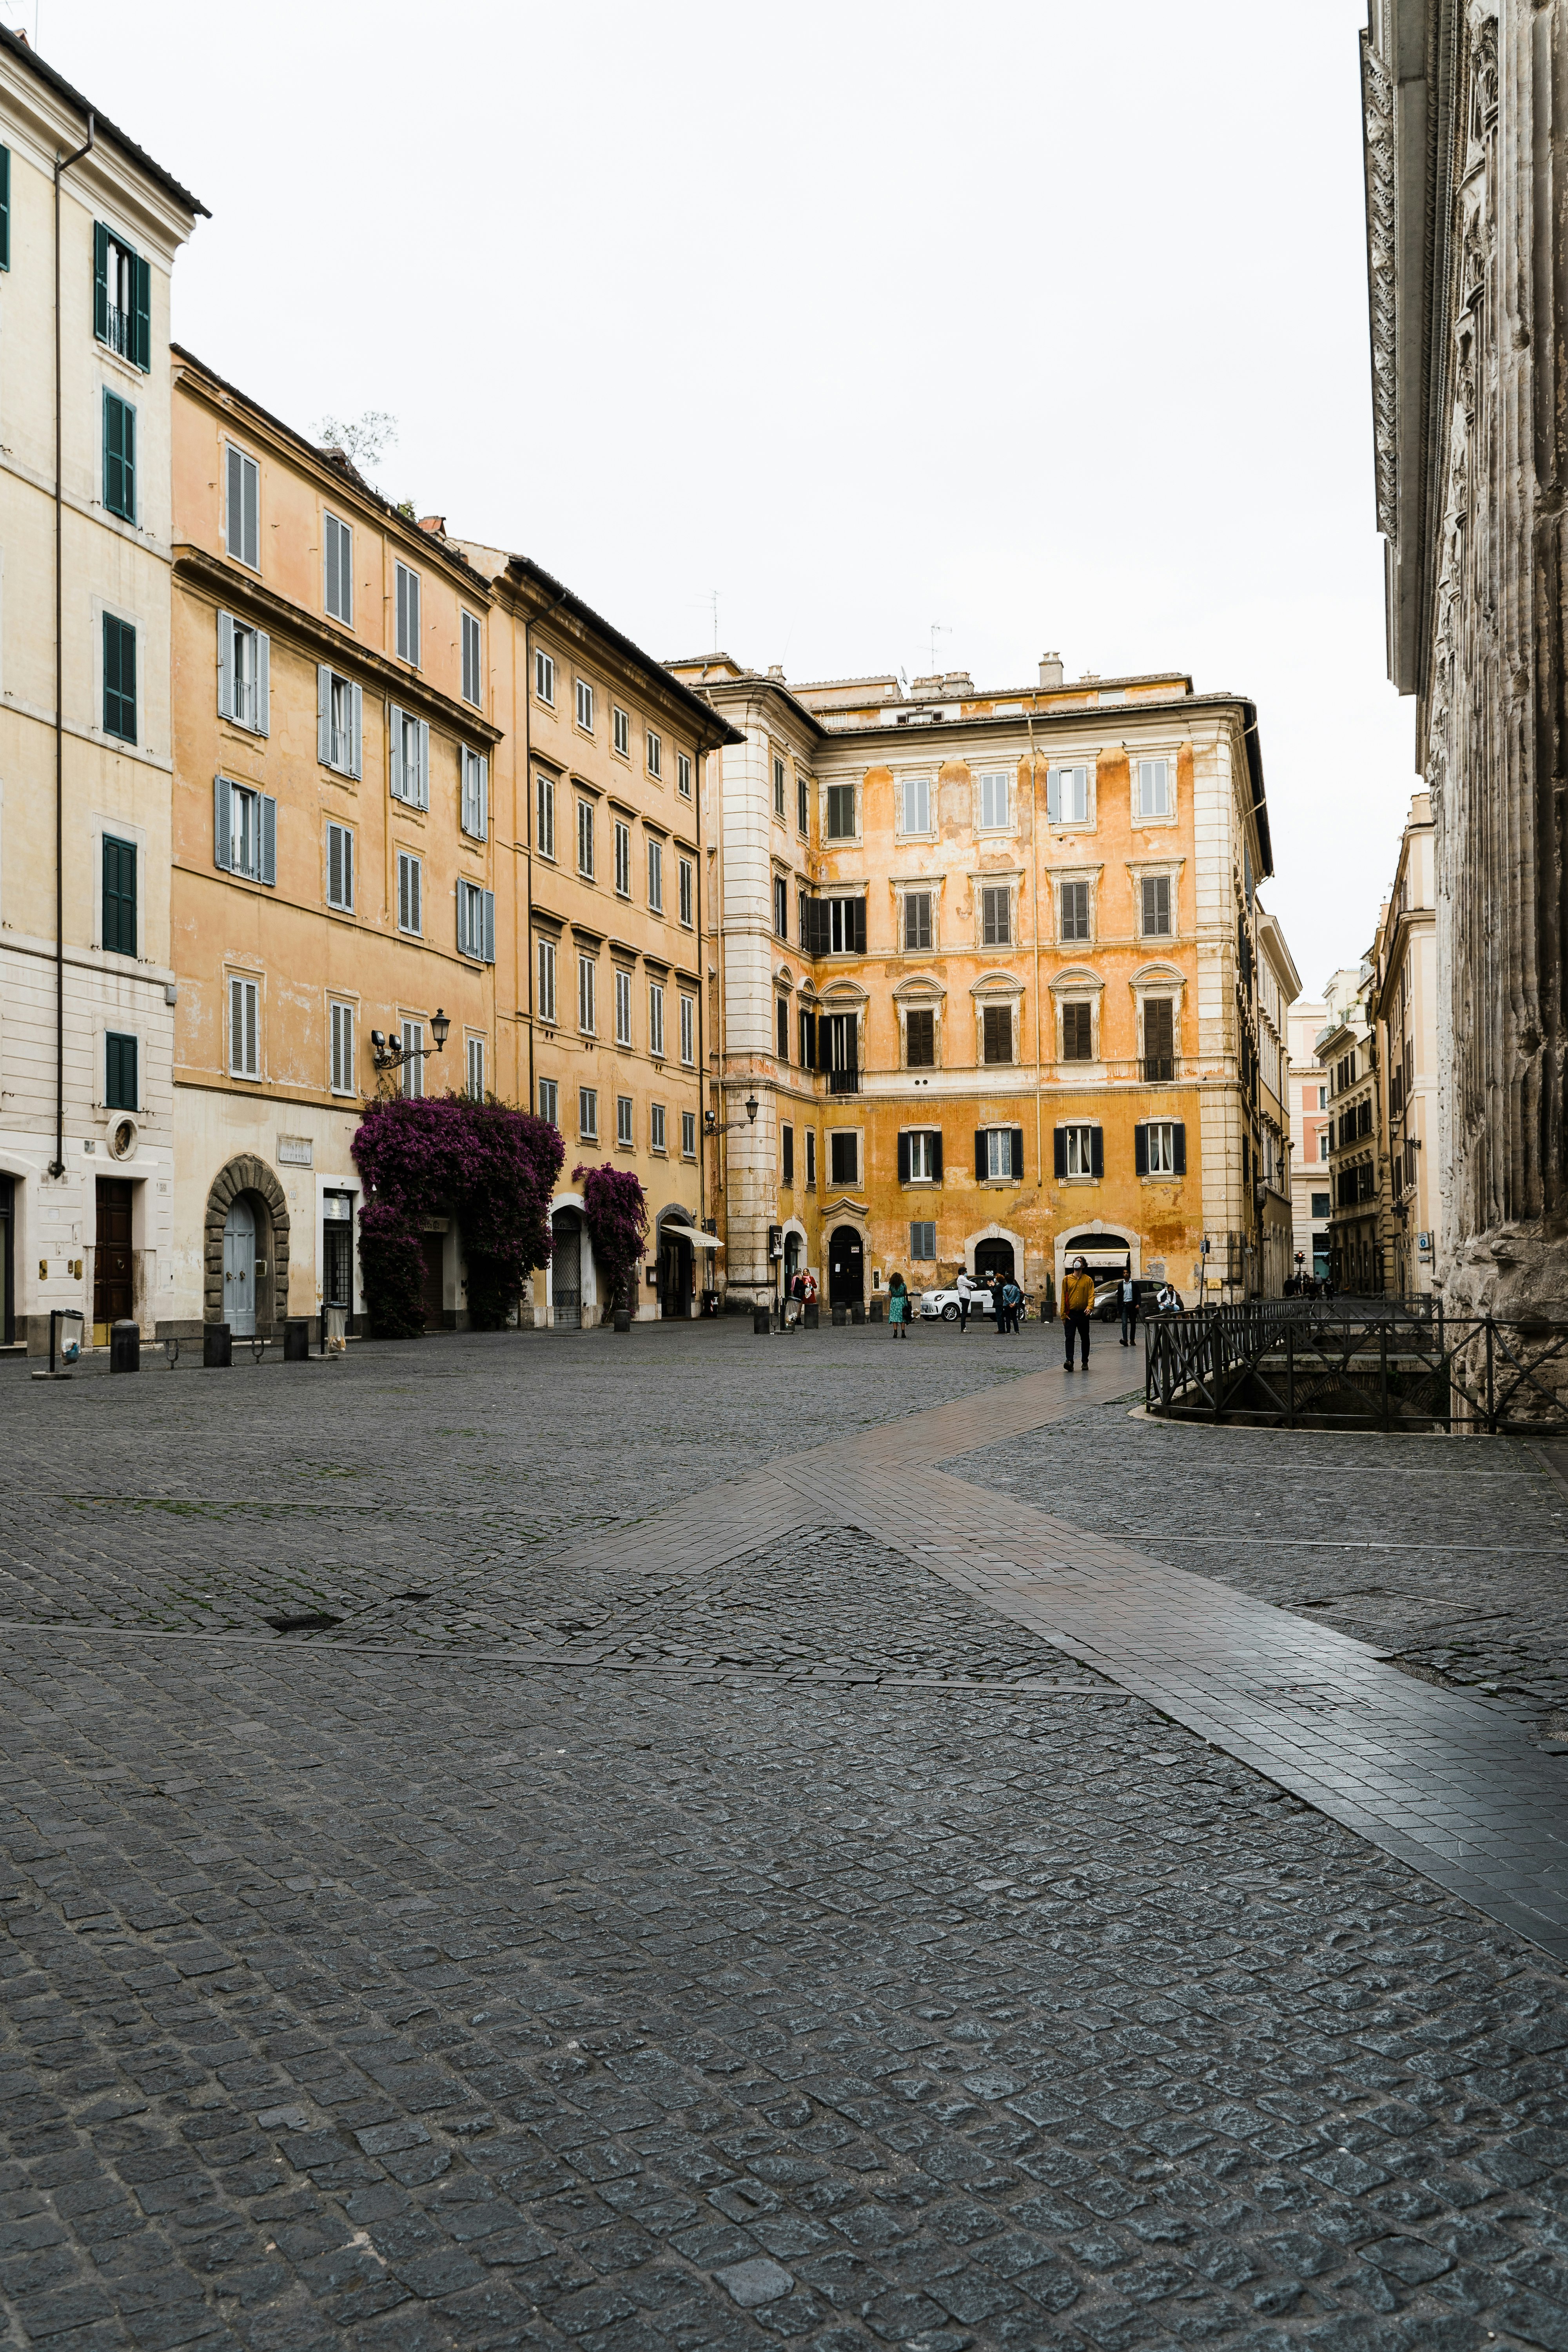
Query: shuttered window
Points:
[920, 1156]
[410, 888]
[545, 789]
[781, 907]
[808, 1041]
[621, 730]
[473, 647]
[474, 794]
[1079, 1150]
[840, 812]
[920, 1033]
[408, 638]
[476, 1069]
[656, 1020]
[623, 841]
[544, 679]
[585, 841]
[588, 1114]
[1156, 906]
[242, 507]
[998, 1027]
[843, 1157]
[342, 1040]
[244, 674]
[622, 1008]
[996, 916]
[688, 879]
[689, 1031]
[655, 755]
[802, 806]
[1153, 788]
[683, 776]
[916, 799]
[121, 293]
[810, 1158]
[656, 878]
[1067, 796]
[1158, 1037]
[1078, 1032]
[1159, 1147]
[411, 1070]
[546, 1007]
[245, 832]
[243, 1027]
[550, 1102]
[584, 706]
[779, 782]
[587, 1016]
[120, 1072]
[339, 729]
[119, 678]
[786, 1136]
[625, 1113]
[781, 1027]
[656, 1126]
[999, 1155]
[1075, 911]
[337, 559]
[119, 456]
[118, 897]
[916, 920]
[476, 922]
[408, 753]
[995, 800]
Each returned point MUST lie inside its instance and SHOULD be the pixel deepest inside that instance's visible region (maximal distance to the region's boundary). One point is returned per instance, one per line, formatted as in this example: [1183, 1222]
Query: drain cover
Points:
[410, 1596]
[303, 1620]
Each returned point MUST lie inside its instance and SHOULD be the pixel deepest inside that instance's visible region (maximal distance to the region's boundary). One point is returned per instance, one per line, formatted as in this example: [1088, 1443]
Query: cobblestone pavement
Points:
[683, 1994]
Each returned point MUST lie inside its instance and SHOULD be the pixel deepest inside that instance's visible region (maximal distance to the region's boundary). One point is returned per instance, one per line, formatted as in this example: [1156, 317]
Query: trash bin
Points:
[337, 1328]
[811, 1317]
[761, 1321]
[623, 1318]
[217, 1347]
[841, 1315]
[856, 1314]
[297, 1341]
[124, 1346]
[876, 1310]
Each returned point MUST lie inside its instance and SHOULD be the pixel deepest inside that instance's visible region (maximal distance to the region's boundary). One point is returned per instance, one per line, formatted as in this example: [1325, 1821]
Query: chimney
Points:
[435, 524]
[1050, 669]
[776, 671]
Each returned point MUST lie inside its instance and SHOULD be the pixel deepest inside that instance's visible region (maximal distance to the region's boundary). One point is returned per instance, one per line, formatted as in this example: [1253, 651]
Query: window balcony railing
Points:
[843, 1082]
[122, 334]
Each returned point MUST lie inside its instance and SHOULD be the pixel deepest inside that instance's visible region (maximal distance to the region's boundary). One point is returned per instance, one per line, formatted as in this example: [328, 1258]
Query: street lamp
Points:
[710, 1126]
[389, 1055]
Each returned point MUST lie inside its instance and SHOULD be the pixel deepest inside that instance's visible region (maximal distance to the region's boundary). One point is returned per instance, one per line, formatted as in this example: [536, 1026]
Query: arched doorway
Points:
[239, 1268]
[846, 1268]
[675, 1284]
[566, 1270]
[993, 1257]
[793, 1258]
[247, 1184]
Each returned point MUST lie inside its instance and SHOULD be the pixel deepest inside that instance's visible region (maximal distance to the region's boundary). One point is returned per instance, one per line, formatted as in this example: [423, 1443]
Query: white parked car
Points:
[943, 1303]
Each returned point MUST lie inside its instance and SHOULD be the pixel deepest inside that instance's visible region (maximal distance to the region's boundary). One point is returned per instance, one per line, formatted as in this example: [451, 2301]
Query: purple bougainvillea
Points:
[614, 1209]
[492, 1168]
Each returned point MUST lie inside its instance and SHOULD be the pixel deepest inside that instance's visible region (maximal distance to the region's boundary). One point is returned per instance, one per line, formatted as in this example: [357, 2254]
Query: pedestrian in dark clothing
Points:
[1012, 1300]
[997, 1306]
[1129, 1311]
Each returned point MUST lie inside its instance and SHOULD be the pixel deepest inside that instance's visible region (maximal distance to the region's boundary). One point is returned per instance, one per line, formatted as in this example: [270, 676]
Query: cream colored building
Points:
[1404, 1008]
[1309, 1138]
[87, 1006]
[1347, 1049]
[1279, 983]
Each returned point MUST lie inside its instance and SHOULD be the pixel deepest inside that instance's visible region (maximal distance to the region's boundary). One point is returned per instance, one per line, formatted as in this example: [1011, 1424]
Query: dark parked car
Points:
[1152, 1298]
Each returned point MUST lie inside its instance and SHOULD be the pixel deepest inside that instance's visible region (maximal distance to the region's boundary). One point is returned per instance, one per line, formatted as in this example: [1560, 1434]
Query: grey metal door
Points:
[239, 1270]
[566, 1273]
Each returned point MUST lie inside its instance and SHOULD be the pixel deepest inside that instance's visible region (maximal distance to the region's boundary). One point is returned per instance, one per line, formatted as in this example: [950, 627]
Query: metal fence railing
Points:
[1379, 1364]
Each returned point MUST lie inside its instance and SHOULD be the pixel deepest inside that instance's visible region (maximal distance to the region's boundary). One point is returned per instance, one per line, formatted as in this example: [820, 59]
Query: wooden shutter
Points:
[263, 683]
[335, 839]
[100, 281]
[225, 666]
[1140, 1149]
[394, 751]
[859, 907]
[356, 715]
[1097, 1150]
[980, 1170]
[267, 831]
[143, 273]
[324, 714]
[422, 799]
[936, 1154]
[903, 1158]
[1179, 1146]
[1017, 1134]
[1059, 1145]
[469, 814]
[484, 798]
[488, 925]
[223, 824]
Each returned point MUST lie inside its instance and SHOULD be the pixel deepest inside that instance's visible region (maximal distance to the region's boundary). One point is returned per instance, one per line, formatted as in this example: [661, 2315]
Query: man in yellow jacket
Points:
[1077, 1298]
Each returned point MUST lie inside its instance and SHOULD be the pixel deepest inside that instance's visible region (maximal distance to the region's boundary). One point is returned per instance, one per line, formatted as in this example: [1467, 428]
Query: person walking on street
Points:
[1012, 1299]
[965, 1289]
[997, 1308]
[898, 1307]
[1077, 1298]
[1129, 1311]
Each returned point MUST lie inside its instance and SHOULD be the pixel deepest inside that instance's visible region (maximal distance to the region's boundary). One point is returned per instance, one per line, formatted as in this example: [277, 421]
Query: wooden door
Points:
[111, 1256]
[434, 1282]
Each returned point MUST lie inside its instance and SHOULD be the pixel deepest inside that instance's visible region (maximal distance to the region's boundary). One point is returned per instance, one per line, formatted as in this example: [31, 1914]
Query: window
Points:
[244, 1022]
[808, 1041]
[624, 1114]
[1321, 1205]
[846, 926]
[916, 920]
[550, 1102]
[781, 1026]
[547, 981]
[1158, 1037]
[584, 706]
[1078, 1032]
[656, 1126]
[843, 1159]
[1066, 795]
[999, 1155]
[621, 730]
[1075, 911]
[916, 800]
[996, 916]
[1159, 1147]
[786, 1138]
[476, 922]
[242, 507]
[688, 881]
[656, 876]
[688, 1031]
[122, 290]
[778, 786]
[656, 1020]
[1153, 788]
[840, 812]
[655, 755]
[781, 906]
[622, 1008]
[997, 1033]
[340, 723]
[689, 1135]
[411, 1070]
[623, 859]
[1156, 907]
[474, 794]
[407, 615]
[472, 649]
[410, 882]
[120, 1072]
[993, 798]
[546, 828]
[340, 1022]
[801, 807]
[408, 745]
[920, 1156]
[840, 1037]
[119, 678]
[118, 897]
[244, 673]
[683, 776]
[919, 1035]
[1080, 1152]
[922, 1238]
[811, 1158]
[1363, 1117]
[588, 1114]
[119, 456]
[337, 566]
[476, 1069]
[340, 867]
[245, 832]
[544, 677]
[585, 840]
[1322, 1143]
[585, 983]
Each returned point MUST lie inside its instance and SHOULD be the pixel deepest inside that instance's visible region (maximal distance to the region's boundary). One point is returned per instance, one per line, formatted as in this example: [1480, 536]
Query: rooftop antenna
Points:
[715, 602]
[938, 628]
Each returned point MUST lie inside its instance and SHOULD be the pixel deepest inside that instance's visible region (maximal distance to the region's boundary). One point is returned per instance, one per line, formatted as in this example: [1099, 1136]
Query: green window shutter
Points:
[4, 209]
[118, 679]
[120, 1072]
[119, 896]
[100, 281]
[119, 456]
[143, 354]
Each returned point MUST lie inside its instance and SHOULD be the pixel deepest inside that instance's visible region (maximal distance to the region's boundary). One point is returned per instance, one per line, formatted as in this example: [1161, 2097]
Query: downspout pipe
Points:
[62, 165]
[528, 625]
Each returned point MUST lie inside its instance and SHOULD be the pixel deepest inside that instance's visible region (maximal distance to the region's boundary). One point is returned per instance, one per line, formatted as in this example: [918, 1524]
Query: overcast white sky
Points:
[1042, 323]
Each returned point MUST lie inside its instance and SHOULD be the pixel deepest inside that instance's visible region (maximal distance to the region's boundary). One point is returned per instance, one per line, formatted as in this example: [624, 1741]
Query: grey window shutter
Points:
[1096, 1143]
[1061, 1142]
[225, 665]
[403, 894]
[1018, 1152]
[462, 918]
[1053, 796]
[484, 799]
[356, 697]
[488, 911]
[936, 1155]
[223, 825]
[903, 1159]
[980, 1154]
[394, 750]
[348, 867]
[324, 714]
[1140, 1149]
[1179, 1147]
[335, 837]
[269, 838]
[263, 683]
[859, 906]
[416, 876]
[423, 796]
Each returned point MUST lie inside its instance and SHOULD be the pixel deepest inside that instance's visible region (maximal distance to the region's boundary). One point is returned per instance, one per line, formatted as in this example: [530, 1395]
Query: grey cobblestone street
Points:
[596, 1951]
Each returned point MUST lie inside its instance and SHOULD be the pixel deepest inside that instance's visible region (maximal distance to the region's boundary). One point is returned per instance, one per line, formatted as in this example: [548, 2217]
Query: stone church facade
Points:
[1466, 123]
